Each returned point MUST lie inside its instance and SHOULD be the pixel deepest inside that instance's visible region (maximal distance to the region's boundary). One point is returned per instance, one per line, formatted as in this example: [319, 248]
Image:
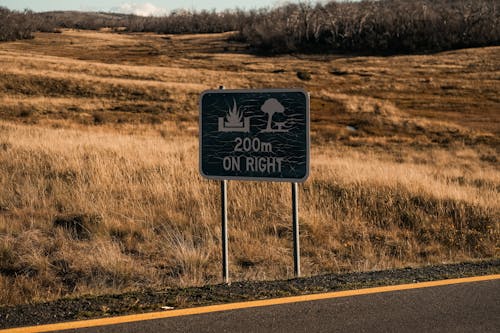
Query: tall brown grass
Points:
[158, 220]
[100, 191]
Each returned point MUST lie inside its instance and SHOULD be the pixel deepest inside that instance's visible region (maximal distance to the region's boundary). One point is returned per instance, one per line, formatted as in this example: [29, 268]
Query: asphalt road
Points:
[468, 307]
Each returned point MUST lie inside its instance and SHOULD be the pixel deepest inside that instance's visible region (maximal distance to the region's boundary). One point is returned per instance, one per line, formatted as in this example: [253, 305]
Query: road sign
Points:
[255, 134]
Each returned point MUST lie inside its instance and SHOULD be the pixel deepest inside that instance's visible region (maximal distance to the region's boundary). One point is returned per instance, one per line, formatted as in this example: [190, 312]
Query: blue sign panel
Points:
[255, 134]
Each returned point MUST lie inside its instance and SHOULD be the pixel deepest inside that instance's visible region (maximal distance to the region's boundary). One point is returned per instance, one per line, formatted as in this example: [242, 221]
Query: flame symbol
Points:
[234, 116]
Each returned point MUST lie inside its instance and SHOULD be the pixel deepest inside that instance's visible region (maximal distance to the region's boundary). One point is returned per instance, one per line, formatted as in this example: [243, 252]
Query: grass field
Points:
[99, 183]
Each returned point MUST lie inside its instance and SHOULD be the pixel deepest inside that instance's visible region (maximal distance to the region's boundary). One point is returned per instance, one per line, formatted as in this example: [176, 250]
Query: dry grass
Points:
[100, 192]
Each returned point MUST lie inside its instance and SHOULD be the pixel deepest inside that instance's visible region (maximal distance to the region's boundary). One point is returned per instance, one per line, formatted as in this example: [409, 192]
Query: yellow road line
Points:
[241, 305]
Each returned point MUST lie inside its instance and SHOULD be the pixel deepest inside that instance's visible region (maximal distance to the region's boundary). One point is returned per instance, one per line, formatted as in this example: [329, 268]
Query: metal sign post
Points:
[295, 221]
[260, 135]
[223, 203]
[223, 199]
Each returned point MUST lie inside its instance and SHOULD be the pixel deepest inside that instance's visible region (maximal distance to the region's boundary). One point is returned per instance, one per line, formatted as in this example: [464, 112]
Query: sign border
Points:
[269, 179]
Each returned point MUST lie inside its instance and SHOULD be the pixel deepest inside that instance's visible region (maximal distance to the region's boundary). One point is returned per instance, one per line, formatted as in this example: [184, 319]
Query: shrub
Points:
[16, 25]
[98, 118]
[79, 226]
[304, 75]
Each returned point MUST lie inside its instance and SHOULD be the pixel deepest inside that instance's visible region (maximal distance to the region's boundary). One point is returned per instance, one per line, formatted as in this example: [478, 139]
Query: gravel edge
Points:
[89, 307]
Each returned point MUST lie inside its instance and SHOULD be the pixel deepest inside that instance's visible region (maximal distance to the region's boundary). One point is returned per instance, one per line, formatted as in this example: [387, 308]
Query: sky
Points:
[138, 7]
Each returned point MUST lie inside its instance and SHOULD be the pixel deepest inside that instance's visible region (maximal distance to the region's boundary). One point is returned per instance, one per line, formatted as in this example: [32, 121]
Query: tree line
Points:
[177, 22]
[368, 26]
[385, 26]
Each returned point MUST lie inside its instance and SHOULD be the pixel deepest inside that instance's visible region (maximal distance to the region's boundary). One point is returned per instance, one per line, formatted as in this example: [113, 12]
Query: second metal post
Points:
[223, 199]
[295, 220]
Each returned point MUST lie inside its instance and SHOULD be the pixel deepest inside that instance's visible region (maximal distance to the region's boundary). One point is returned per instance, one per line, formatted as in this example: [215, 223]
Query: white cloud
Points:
[141, 9]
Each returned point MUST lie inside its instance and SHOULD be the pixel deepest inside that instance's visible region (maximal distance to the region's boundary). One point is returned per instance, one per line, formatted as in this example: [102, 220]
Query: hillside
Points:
[100, 130]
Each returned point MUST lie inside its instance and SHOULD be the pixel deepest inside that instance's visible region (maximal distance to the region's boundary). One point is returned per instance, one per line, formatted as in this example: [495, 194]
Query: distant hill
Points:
[85, 20]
